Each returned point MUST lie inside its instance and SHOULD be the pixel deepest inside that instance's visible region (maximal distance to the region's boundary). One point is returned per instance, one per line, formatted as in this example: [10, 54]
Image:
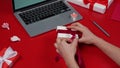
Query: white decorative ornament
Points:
[74, 16]
[6, 25]
[15, 39]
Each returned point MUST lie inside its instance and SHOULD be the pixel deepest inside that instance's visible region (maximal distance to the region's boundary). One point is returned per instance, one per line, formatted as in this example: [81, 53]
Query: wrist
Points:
[71, 63]
[97, 41]
[69, 59]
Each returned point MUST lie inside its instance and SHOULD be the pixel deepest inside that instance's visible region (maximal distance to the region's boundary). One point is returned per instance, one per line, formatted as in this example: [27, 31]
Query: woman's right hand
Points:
[87, 36]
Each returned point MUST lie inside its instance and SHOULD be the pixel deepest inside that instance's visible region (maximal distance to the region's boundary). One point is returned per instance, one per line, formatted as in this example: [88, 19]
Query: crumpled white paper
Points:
[15, 39]
[6, 26]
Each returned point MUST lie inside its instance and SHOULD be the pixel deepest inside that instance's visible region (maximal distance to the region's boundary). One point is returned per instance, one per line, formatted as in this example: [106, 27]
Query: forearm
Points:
[71, 63]
[110, 50]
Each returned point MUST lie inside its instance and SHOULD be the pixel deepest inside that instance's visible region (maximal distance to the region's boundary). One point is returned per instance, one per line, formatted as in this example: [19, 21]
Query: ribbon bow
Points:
[9, 53]
[92, 2]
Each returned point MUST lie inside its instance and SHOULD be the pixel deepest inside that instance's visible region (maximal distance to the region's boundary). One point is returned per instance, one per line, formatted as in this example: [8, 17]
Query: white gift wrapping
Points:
[9, 53]
[97, 7]
[64, 35]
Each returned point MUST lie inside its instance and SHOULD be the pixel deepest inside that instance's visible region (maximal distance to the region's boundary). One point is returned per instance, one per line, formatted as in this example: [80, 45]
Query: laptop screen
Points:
[24, 3]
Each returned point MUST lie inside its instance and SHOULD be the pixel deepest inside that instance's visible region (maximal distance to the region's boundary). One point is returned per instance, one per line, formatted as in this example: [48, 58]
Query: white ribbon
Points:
[9, 53]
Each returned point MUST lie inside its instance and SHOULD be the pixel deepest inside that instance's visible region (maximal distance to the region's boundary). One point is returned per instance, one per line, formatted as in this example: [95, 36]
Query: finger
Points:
[56, 46]
[81, 40]
[77, 24]
[70, 27]
[73, 29]
[57, 51]
[64, 41]
[69, 40]
[76, 28]
[75, 42]
[58, 40]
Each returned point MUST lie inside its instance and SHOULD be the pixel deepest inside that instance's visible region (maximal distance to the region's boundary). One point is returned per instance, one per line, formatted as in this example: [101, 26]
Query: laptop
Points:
[40, 16]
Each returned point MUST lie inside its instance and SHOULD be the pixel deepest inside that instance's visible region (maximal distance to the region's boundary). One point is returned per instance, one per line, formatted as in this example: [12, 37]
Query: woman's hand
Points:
[65, 49]
[87, 36]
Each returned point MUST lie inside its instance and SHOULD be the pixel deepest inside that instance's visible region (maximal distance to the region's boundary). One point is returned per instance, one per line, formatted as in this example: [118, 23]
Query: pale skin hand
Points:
[89, 38]
[67, 51]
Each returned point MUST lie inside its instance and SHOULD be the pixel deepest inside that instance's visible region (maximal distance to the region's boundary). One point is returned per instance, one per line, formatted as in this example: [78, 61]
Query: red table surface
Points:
[39, 51]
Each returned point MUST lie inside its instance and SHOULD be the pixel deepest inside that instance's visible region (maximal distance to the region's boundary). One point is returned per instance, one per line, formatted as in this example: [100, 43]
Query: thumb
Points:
[81, 40]
[75, 42]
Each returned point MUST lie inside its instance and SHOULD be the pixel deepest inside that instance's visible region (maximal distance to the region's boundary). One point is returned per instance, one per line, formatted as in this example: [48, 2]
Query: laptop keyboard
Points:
[43, 12]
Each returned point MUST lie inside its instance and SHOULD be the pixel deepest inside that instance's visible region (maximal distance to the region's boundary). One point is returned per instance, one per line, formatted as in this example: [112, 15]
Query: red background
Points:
[39, 52]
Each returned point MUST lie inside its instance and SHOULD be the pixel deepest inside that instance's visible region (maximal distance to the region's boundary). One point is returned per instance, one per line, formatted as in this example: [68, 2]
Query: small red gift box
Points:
[7, 57]
[64, 32]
